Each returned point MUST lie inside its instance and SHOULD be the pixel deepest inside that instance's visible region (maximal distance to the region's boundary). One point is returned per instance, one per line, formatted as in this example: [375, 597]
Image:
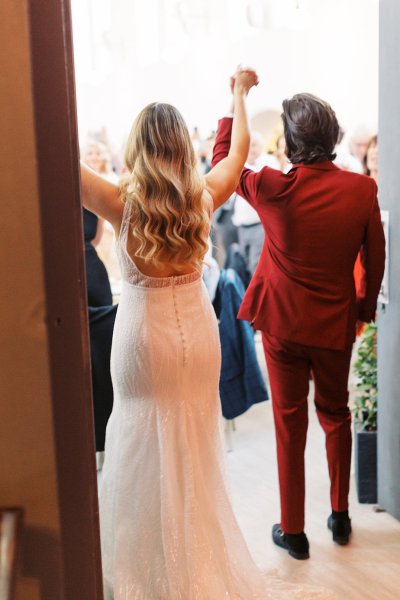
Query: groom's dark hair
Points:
[311, 129]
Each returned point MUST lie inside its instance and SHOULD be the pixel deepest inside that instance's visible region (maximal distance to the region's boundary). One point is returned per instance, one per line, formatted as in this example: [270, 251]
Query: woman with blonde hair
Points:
[97, 156]
[167, 526]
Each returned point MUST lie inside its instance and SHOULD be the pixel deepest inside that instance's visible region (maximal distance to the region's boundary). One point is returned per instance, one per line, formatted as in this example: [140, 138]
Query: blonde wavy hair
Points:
[170, 216]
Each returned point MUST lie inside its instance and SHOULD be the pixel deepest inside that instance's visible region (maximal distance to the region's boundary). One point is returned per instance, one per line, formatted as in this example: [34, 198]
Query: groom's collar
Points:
[325, 165]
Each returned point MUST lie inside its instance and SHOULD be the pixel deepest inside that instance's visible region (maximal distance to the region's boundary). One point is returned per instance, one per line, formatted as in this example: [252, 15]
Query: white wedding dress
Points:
[168, 531]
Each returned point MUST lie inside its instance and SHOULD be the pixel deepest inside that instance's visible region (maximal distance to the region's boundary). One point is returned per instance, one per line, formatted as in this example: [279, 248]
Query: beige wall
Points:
[27, 457]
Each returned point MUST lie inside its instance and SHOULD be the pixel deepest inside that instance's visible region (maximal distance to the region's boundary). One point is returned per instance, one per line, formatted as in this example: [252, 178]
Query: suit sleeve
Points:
[249, 180]
[372, 256]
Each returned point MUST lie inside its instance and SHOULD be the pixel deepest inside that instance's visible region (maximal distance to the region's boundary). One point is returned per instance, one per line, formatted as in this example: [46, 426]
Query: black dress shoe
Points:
[296, 544]
[340, 525]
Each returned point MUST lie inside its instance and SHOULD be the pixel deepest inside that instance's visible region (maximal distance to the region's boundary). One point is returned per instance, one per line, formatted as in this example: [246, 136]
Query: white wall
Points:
[388, 316]
[131, 52]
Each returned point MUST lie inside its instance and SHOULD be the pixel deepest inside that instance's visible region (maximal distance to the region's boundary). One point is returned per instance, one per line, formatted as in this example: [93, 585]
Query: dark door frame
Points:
[66, 311]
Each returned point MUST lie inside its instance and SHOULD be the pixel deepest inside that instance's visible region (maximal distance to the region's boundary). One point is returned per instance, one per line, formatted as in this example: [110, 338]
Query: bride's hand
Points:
[244, 78]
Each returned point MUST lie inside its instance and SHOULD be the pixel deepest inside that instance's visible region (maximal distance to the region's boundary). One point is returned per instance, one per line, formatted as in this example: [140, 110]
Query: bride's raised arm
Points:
[223, 179]
[101, 196]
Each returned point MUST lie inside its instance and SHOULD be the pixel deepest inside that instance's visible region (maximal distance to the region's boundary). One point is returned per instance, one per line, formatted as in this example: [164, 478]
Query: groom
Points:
[317, 218]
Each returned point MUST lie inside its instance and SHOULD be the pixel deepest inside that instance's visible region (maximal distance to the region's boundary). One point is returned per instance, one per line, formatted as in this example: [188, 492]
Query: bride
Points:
[168, 531]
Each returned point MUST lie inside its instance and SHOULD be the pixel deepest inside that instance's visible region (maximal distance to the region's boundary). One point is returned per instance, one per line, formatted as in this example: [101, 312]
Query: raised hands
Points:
[230, 155]
[244, 79]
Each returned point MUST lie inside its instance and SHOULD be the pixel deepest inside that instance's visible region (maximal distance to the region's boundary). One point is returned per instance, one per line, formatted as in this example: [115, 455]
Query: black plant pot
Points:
[366, 465]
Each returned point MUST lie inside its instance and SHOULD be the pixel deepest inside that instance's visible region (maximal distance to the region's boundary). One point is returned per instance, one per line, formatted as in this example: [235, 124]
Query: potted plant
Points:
[365, 412]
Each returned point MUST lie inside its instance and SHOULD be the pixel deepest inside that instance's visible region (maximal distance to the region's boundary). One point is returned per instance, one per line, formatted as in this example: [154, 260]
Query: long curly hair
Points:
[170, 214]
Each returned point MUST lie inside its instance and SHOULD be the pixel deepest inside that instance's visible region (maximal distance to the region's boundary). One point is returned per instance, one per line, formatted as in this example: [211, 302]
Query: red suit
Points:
[317, 218]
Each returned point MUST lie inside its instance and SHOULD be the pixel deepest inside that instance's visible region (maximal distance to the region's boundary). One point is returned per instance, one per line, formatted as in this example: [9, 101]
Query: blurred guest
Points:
[359, 141]
[101, 327]
[97, 156]
[101, 312]
[225, 232]
[97, 282]
[344, 159]
[250, 230]
[196, 140]
[204, 155]
[114, 158]
[258, 158]
[280, 154]
[211, 272]
[371, 169]
[371, 158]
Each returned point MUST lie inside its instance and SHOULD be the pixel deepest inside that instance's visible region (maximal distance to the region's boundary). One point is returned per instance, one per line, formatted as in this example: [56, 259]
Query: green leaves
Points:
[366, 404]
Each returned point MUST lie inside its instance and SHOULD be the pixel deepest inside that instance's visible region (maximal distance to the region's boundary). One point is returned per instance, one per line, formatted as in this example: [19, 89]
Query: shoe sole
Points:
[341, 540]
[296, 555]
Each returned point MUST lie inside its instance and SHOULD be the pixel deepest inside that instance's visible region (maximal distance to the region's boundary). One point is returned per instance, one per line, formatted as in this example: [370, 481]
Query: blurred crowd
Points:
[237, 230]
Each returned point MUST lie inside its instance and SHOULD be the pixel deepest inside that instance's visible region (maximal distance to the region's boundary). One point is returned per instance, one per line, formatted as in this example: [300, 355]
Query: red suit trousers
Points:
[290, 366]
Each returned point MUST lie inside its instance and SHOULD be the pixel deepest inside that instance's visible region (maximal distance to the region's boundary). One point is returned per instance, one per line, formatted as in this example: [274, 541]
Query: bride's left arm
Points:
[101, 197]
[224, 177]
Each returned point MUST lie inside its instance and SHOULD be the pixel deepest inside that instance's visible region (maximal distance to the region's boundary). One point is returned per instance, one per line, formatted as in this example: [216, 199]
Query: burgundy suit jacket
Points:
[316, 218]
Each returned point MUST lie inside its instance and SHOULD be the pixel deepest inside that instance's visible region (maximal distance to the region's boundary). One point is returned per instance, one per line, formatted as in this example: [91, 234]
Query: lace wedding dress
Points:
[168, 531]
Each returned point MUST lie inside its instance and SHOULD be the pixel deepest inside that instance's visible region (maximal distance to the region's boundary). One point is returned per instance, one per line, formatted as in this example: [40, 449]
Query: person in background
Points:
[97, 281]
[97, 156]
[204, 154]
[280, 154]
[358, 143]
[224, 231]
[371, 159]
[196, 139]
[246, 219]
[344, 159]
[101, 326]
[100, 309]
[370, 166]
[114, 158]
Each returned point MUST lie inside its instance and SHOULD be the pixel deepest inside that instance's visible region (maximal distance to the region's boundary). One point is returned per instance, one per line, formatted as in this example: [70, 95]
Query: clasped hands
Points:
[244, 78]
